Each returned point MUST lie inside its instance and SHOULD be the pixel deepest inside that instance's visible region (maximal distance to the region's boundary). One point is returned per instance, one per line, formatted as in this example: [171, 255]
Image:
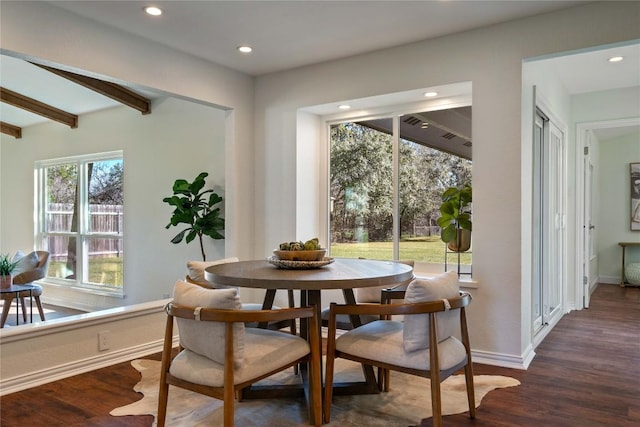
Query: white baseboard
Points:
[36, 378]
[610, 280]
[503, 360]
[69, 346]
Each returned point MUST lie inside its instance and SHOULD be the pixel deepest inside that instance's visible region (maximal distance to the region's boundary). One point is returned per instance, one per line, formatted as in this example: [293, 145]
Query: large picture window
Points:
[80, 220]
[378, 174]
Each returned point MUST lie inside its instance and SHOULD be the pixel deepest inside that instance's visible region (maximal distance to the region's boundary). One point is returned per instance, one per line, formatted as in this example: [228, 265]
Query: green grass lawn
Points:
[426, 249]
[107, 270]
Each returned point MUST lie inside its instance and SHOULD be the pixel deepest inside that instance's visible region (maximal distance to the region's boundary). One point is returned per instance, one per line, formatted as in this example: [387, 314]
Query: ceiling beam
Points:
[11, 130]
[111, 90]
[37, 107]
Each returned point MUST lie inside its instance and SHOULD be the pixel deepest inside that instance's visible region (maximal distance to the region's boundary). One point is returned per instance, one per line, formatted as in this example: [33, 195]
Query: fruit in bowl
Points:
[300, 251]
[302, 255]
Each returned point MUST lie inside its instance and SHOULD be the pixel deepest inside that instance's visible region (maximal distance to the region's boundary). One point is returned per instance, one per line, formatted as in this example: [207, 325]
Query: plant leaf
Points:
[214, 198]
[192, 235]
[448, 233]
[178, 237]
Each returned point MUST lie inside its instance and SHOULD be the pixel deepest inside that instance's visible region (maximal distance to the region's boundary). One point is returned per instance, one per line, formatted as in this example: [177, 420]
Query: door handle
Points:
[591, 226]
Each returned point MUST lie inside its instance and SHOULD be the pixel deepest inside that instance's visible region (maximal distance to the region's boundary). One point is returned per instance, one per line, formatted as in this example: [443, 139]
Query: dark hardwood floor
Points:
[585, 373]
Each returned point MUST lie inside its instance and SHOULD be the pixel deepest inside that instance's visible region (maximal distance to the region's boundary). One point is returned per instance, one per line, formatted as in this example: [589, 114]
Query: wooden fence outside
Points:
[103, 219]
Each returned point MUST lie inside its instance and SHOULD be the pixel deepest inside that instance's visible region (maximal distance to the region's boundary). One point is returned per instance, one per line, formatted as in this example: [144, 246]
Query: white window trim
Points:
[387, 112]
[82, 234]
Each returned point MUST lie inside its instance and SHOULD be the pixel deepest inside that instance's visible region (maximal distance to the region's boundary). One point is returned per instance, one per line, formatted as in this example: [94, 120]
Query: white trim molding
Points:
[504, 360]
[69, 346]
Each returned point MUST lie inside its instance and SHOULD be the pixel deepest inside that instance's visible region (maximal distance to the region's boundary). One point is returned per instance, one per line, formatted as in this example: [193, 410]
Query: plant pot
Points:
[462, 243]
[6, 281]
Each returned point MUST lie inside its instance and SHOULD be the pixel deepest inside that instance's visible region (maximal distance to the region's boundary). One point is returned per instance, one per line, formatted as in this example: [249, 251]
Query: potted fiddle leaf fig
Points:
[196, 208]
[455, 218]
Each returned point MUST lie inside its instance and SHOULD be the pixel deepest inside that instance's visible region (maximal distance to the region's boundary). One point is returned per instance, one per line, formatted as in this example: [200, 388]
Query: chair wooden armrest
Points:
[221, 315]
[376, 344]
[29, 276]
[392, 309]
[396, 292]
[230, 387]
[290, 323]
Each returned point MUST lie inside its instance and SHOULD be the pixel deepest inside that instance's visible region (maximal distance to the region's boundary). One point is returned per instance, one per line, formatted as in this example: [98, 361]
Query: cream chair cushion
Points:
[416, 326]
[25, 262]
[196, 270]
[264, 351]
[382, 340]
[207, 338]
[370, 294]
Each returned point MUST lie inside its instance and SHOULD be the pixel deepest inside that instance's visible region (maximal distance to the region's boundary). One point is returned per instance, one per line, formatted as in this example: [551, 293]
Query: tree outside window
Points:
[361, 194]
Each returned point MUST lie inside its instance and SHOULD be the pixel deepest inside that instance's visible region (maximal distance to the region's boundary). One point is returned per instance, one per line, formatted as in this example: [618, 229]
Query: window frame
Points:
[83, 235]
[394, 113]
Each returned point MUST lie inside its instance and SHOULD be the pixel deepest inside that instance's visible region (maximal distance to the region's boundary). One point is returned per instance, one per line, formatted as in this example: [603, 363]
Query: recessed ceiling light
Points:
[153, 10]
[616, 58]
[245, 49]
[431, 94]
[344, 107]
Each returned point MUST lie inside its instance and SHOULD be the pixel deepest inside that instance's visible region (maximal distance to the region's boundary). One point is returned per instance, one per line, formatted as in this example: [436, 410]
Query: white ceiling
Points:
[288, 34]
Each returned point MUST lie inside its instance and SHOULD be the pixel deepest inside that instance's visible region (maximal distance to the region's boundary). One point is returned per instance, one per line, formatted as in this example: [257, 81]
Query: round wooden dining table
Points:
[344, 274]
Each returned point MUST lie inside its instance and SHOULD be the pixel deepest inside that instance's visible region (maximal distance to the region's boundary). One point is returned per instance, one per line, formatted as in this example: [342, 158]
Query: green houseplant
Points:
[6, 268]
[455, 218]
[197, 209]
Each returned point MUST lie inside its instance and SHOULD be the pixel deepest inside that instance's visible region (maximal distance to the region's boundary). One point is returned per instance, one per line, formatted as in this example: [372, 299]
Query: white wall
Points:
[491, 59]
[614, 186]
[179, 139]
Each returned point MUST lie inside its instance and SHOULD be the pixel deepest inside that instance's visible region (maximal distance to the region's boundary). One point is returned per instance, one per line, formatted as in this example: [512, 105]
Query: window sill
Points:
[86, 289]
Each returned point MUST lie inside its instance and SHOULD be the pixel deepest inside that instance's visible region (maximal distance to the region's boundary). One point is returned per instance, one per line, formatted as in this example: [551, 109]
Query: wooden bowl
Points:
[300, 255]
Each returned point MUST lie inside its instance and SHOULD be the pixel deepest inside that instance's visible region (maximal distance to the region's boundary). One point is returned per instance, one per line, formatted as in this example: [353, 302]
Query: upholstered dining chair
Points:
[195, 274]
[219, 357]
[424, 344]
[30, 267]
[369, 295]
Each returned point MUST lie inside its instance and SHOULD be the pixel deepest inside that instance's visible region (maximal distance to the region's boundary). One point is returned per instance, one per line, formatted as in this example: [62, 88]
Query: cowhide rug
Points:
[407, 402]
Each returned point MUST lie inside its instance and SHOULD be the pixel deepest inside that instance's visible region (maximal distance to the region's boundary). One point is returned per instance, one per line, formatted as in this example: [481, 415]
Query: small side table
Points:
[624, 249]
[17, 289]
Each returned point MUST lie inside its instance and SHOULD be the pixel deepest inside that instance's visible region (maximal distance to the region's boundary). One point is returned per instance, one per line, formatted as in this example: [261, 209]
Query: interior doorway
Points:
[588, 136]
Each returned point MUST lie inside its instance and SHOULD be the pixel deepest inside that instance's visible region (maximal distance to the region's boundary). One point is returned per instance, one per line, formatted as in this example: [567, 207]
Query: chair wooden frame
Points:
[435, 375]
[400, 288]
[230, 390]
[268, 299]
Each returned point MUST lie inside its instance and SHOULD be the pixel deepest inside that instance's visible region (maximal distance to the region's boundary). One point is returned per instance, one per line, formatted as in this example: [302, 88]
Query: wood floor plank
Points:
[585, 373]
